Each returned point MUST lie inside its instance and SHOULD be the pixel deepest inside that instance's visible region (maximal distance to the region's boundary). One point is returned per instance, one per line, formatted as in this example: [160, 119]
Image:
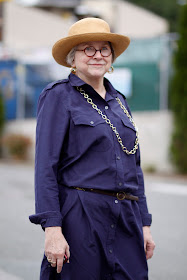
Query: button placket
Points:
[110, 250]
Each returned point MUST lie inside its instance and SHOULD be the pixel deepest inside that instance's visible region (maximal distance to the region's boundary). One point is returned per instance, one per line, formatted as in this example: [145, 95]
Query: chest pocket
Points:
[92, 131]
[128, 123]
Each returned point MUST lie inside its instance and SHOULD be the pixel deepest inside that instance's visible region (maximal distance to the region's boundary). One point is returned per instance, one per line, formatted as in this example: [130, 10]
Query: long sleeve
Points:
[52, 124]
[146, 217]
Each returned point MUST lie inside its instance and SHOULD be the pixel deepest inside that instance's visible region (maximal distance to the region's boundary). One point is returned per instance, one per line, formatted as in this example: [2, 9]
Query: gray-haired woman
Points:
[89, 184]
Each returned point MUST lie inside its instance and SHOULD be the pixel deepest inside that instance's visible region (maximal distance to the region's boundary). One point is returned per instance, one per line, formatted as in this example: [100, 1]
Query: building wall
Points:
[106, 9]
[155, 130]
[128, 19]
[137, 22]
[28, 28]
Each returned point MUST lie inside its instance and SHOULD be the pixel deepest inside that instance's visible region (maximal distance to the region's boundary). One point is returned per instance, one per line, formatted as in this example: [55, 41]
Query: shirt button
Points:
[112, 226]
[116, 201]
[120, 184]
[118, 157]
[110, 251]
[106, 107]
[92, 122]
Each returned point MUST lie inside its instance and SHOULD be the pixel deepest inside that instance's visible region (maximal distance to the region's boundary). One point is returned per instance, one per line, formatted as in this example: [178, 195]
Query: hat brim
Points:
[62, 47]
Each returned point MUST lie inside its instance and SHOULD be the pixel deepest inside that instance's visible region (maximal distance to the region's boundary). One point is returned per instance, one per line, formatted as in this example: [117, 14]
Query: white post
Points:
[21, 91]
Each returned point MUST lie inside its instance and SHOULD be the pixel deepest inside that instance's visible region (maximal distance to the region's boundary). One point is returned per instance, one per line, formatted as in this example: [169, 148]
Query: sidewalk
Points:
[6, 276]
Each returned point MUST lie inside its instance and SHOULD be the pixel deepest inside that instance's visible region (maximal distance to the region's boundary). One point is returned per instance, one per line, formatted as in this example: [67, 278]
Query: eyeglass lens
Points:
[91, 51]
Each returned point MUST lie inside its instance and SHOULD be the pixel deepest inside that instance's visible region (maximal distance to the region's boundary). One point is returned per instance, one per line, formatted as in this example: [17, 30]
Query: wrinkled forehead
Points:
[94, 43]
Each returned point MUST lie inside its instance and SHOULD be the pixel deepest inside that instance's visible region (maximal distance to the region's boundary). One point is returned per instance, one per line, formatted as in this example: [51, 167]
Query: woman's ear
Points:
[73, 64]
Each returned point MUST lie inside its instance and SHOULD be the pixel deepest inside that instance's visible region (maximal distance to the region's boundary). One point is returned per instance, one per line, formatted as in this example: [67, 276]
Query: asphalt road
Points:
[21, 243]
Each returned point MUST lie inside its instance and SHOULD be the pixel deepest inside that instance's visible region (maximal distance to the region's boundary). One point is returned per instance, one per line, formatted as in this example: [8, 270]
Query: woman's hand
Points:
[149, 244]
[56, 247]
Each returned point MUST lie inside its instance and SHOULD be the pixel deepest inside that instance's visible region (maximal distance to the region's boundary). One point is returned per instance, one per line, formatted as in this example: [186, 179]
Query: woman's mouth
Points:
[96, 64]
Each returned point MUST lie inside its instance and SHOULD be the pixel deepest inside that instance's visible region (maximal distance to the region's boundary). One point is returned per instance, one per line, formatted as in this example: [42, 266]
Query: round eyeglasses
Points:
[91, 51]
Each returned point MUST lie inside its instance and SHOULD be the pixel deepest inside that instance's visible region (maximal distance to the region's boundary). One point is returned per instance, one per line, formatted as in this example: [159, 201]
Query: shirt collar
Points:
[75, 81]
[111, 92]
[109, 88]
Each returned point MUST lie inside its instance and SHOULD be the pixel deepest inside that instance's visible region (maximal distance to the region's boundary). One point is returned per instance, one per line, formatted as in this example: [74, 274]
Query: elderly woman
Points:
[88, 181]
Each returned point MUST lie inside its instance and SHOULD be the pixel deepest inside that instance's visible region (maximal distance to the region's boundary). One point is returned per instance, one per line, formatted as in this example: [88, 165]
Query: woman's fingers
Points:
[51, 259]
[149, 250]
[56, 260]
[67, 252]
[56, 247]
[149, 244]
[61, 258]
[53, 262]
[59, 264]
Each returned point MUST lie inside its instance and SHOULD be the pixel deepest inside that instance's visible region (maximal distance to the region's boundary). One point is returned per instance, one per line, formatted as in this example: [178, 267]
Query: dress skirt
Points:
[105, 238]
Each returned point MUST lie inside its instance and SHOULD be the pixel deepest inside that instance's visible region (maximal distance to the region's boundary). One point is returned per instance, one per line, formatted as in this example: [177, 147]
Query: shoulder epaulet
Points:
[121, 94]
[51, 85]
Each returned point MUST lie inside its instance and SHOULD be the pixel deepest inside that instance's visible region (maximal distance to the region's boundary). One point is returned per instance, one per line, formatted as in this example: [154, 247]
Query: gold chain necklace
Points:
[94, 106]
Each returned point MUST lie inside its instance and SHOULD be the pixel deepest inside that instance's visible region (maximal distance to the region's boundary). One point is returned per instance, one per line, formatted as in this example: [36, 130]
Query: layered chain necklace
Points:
[107, 120]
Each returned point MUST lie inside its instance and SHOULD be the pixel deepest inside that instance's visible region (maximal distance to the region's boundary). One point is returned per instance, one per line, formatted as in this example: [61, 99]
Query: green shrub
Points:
[17, 145]
[151, 168]
[179, 97]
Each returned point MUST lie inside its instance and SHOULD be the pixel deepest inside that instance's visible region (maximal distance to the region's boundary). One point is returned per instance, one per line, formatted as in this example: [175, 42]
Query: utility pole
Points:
[1, 21]
[1, 18]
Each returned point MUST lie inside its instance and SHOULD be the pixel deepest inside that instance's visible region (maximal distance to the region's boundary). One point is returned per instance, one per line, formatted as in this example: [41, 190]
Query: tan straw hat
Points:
[86, 30]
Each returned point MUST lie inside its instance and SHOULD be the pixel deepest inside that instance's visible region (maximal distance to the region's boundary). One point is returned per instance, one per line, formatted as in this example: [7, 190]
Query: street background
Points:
[22, 243]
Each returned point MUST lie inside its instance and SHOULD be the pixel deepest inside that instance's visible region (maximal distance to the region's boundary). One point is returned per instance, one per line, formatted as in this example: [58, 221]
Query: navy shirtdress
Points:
[75, 147]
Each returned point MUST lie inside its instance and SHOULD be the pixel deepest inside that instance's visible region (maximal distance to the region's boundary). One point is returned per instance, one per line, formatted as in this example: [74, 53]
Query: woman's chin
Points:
[97, 72]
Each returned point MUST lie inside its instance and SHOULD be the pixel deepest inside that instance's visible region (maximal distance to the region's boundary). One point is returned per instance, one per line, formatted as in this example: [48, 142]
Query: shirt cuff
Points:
[47, 219]
[146, 219]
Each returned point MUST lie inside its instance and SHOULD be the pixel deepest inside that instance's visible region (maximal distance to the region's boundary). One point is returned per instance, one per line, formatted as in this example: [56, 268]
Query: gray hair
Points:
[71, 55]
[113, 53]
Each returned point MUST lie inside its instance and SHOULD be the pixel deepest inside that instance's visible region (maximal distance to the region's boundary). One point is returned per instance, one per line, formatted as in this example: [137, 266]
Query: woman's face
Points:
[91, 67]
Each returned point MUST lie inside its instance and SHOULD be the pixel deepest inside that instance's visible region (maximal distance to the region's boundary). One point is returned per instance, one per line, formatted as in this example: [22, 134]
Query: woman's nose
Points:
[97, 54]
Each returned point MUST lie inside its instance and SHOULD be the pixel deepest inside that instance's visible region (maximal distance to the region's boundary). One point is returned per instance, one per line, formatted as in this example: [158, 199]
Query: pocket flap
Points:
[128, 123]
[84, 119]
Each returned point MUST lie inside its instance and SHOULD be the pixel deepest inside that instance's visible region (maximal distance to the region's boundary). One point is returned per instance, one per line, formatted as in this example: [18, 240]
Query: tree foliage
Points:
[179, 96]
[167, 9]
